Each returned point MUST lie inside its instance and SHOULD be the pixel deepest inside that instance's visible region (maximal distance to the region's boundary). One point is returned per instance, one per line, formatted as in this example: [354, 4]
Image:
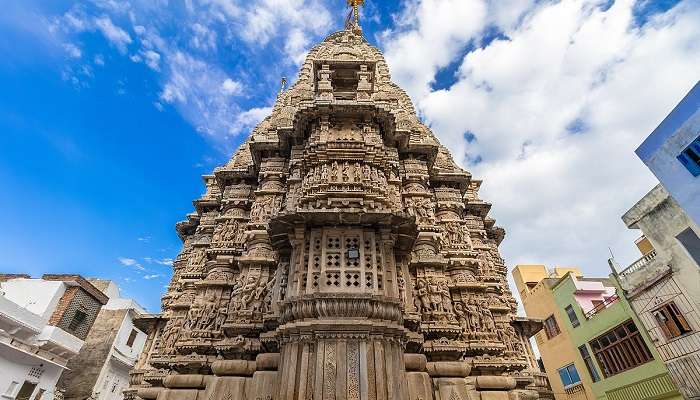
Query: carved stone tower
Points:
[340, 254]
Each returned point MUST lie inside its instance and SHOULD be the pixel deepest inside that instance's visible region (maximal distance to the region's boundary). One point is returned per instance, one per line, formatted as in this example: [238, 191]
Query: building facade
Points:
[672, 153]
[340, 254]
[591, 346]
[112, 346]
[43, 325]
[663, 285]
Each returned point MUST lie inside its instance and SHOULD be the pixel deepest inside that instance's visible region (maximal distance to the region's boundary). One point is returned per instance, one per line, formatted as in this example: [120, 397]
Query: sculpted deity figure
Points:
[486, 321]
[334, 172]
[346, 172]
[170, 335]
[446, 298]
[197, 261]
[358, 172]
[235, 303]
[402, 288]
[324, 173]
[462, 317]
[435, 296]
[473, 315]
[247, 292]
[423, 295]
[265, 296]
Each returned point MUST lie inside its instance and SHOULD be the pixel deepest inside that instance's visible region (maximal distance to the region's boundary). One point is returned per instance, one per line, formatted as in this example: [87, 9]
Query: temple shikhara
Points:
[340, 254]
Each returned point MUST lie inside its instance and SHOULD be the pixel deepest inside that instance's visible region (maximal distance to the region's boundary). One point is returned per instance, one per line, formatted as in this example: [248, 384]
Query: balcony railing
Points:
[576, 392]
[639, 264]
[602, 306]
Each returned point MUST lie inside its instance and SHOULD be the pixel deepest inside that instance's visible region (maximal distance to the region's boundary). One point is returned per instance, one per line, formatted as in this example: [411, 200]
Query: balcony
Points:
[639, 264]
[602, 306]
[575, 392]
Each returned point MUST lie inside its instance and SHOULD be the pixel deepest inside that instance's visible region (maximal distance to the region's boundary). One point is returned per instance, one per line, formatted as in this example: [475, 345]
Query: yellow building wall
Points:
[559, 351]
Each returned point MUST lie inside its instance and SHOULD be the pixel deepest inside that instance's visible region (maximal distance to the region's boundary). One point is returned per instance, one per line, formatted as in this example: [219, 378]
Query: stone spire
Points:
[340, 253]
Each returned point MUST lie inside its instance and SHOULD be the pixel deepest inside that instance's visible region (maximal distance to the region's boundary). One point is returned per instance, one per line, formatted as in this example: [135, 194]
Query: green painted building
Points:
[620, 359]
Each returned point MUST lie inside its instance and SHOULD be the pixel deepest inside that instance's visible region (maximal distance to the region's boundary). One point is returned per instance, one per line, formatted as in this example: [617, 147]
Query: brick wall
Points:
[76, 298]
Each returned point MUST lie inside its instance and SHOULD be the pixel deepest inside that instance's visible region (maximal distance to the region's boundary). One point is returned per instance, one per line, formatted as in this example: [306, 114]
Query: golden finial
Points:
[355, 4]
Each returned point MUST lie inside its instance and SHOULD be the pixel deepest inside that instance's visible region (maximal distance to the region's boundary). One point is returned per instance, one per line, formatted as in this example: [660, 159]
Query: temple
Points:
[340, 254]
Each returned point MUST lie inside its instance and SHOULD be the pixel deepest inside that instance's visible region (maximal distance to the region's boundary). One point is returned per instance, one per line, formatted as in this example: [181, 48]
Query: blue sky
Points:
[110, 111]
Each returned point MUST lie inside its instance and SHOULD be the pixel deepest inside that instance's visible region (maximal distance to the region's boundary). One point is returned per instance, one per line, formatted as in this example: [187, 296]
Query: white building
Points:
[101, 370]
[672, 153]
[42, 326]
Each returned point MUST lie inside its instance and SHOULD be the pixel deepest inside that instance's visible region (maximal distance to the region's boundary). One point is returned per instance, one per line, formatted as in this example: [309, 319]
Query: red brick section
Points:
[87, 286]
[7, 277]
[63, 304]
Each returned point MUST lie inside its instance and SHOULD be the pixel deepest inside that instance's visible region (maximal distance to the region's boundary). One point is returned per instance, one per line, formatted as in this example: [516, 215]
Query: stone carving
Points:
[340, 239]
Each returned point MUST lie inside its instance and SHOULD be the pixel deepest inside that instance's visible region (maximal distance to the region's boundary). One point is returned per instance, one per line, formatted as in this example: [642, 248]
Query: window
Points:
[132, 338]
[690, 157]
[569, 375]
[690, 241]
[589, 363]
[550, 327]
[572, 316]
[25, 392]
[671, 321]
[78, 318]
[620, 349]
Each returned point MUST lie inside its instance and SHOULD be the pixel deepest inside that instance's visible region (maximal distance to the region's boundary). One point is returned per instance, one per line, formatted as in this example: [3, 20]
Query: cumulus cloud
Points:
[549, 114]
[116, 35]
[294, 20]
[231, 87]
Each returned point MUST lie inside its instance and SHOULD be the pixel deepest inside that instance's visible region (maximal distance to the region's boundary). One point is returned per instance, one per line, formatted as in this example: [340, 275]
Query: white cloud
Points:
[290, 20]
[429, 35]
[72, 50]
[151, 276]
[555, 111]
[203, 38]
[247, 120]
[116, 35]
[230, 87]
[162, 261]
[99, 59]
[130, 262]
[152, 59]
[165, 261]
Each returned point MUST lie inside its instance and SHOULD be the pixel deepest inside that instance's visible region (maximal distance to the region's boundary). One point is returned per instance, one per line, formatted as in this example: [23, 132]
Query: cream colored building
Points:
[535, 283]
[663, 285]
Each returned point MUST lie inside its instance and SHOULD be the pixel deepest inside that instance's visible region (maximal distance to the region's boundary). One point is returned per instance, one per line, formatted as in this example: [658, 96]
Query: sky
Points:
[111, 110]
